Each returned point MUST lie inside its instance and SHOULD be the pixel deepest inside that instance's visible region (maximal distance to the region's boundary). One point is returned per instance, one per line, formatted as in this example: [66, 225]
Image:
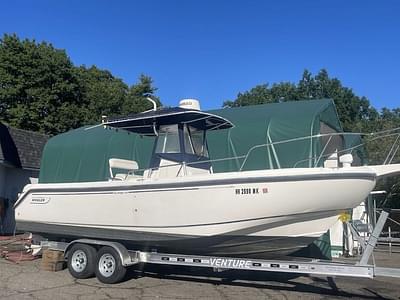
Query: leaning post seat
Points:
[123, 164]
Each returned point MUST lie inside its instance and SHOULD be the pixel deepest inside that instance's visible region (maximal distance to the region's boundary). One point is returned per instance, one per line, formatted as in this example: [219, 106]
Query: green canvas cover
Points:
[82, 154]
[271, 123]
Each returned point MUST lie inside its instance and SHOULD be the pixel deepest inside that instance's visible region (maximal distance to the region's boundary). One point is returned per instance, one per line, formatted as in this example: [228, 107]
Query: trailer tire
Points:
[81, 261]
[109, 268]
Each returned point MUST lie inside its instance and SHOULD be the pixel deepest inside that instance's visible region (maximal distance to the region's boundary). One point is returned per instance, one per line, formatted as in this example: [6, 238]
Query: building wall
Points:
[2, 181]
[12, 181]
[16, 179]
[2, 198]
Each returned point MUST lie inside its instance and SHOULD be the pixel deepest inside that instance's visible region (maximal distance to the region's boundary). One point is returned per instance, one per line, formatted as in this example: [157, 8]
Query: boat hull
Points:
[232, 214]
[261, 245]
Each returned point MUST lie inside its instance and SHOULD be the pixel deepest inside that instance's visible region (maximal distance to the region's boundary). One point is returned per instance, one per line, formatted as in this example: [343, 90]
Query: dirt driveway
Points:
[27, 281]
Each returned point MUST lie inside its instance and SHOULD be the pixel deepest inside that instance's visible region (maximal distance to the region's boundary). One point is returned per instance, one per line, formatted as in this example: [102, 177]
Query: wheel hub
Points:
[106, 265]
[79, 261]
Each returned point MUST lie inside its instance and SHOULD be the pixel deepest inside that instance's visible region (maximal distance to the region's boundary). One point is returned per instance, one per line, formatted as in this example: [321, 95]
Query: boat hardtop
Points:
[144, 123]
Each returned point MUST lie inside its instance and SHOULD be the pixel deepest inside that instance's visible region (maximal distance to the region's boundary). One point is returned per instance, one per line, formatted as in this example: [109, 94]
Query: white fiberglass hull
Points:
[216, 211]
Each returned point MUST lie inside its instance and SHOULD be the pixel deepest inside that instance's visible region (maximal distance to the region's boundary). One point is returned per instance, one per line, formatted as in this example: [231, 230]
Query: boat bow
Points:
[386, 170]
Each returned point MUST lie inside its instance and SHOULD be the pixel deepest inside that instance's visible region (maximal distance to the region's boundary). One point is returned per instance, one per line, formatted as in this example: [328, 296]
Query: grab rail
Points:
[346, 150]
[373, 135]
[296, 140]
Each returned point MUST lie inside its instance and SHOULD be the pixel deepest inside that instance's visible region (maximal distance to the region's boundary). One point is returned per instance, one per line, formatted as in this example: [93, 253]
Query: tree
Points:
[102, 93]
[385, 150]
[262, 94]
[41, 90]
[136, 99]
[38, 87]
[351, 108]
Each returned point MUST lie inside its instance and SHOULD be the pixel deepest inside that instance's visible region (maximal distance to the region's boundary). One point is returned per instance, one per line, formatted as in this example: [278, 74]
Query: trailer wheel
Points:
[109, 266]
[81, 261]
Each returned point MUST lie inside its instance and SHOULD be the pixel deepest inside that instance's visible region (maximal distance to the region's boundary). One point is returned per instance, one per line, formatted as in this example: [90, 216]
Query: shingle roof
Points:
[21, 148]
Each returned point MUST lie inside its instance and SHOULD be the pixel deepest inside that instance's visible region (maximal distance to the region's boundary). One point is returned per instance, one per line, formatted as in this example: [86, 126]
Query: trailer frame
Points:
[128, 257]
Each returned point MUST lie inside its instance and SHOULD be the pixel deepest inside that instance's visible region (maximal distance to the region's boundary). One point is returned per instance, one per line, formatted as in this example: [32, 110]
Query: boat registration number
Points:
[246, 191]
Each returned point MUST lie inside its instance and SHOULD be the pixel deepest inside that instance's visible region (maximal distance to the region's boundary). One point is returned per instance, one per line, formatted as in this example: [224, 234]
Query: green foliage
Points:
[41, 90]
[103, 93]
[351, 108]
[379, 150]
[136, 98]
[38, 88]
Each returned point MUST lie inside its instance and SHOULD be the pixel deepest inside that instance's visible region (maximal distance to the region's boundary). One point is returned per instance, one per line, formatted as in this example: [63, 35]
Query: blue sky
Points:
[211, 50]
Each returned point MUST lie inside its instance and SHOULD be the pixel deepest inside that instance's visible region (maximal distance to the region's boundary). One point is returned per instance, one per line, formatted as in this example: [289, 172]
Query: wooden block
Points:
[52, 266]
[52, 256]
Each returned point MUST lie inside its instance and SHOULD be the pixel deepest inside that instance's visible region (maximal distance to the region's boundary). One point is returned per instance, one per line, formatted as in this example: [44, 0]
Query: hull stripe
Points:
[307, 216]
[157, 187]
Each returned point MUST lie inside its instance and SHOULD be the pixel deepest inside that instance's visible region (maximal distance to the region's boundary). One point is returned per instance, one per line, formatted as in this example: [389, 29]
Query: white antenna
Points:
[154, 103]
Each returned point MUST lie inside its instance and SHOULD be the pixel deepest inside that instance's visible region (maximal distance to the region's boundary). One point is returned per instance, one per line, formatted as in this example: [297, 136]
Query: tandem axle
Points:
[108, 260]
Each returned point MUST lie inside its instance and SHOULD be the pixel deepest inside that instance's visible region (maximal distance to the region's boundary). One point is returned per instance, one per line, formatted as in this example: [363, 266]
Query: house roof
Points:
[21, 148]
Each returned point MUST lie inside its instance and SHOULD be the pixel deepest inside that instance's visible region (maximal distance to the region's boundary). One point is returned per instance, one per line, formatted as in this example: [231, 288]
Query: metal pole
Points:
[390, 240]
[373, 239]
[368, 211]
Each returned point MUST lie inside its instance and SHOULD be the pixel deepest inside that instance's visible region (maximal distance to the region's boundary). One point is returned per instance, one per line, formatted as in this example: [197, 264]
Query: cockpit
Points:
[194, 140]
[180, 147]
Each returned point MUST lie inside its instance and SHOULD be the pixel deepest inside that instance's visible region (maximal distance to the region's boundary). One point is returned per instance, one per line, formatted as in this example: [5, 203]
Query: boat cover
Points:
[82, 154]
[271, 123]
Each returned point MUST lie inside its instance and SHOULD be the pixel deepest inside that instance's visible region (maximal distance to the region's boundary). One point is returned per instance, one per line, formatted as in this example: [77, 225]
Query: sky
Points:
[212, 50]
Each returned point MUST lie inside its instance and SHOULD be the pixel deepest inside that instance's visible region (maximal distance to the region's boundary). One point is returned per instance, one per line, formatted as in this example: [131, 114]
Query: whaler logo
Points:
[40, 200]
[230, 263]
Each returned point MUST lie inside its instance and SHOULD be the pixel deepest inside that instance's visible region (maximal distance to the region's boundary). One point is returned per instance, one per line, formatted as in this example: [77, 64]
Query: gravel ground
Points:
[27, 281]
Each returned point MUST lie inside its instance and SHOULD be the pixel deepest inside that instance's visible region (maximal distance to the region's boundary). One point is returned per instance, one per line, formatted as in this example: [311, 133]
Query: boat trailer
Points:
[110, 262]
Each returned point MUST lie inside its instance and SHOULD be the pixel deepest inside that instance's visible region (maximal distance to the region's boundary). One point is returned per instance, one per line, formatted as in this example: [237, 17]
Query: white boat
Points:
[180, 205]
